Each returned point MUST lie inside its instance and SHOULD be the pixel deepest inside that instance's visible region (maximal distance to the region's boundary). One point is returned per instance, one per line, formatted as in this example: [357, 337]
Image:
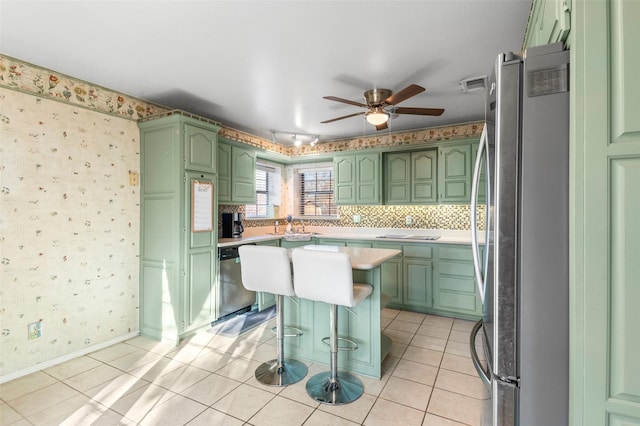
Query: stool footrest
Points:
[297, 331]
[350, 346]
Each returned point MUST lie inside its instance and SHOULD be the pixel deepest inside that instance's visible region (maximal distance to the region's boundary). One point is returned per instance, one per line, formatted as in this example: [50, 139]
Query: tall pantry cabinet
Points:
[178, 242]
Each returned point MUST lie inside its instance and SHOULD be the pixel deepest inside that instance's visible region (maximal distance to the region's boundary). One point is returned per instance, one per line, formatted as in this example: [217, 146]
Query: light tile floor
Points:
[428, 379]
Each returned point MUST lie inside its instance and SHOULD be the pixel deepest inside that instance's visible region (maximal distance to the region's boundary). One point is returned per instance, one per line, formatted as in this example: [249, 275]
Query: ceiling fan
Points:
[380, 104]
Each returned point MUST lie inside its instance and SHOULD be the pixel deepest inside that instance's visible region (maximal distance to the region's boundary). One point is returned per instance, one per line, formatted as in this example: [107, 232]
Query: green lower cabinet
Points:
[418, 283]
[392, 281]
[455, 288]
[332, 242]
[431, 278]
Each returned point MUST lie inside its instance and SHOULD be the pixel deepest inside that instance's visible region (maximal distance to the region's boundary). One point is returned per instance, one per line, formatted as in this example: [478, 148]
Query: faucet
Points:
[302, 225]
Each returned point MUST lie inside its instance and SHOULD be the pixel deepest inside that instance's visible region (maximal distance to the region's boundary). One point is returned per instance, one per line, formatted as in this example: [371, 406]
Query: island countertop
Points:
[362, 258]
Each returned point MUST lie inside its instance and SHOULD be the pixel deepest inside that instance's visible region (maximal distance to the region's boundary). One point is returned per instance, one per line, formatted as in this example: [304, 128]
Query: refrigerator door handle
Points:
[474, 213]
[485, 376]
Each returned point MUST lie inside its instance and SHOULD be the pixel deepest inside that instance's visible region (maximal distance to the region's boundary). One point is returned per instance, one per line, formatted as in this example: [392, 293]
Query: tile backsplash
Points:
[439, 216]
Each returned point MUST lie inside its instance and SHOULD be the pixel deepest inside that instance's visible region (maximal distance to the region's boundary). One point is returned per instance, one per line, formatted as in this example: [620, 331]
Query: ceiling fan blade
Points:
[404, 94]
[340, 118]
[419, 111]
[344, 101]
[382, 126]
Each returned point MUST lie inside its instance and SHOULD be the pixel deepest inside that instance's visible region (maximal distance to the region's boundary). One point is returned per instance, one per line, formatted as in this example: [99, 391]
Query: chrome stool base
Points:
[344, 389]
[274, 373]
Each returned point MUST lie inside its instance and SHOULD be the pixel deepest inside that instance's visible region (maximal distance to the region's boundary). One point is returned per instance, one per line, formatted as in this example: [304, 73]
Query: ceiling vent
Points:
[473, 84]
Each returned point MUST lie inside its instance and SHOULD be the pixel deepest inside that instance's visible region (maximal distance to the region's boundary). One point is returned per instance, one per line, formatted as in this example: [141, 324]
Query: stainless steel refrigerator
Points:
[522, 254]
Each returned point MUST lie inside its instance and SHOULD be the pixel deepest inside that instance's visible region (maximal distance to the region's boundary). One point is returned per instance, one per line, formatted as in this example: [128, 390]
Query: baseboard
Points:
[55, 361]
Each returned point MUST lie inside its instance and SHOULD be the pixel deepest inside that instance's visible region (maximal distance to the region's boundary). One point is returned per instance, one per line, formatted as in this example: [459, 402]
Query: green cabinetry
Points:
[357, 179]
[455, 287]
[418, 276]
[549, 22]
[236, 174]
[431, 278]
[177, 264]
[454, 173]
[411, 177]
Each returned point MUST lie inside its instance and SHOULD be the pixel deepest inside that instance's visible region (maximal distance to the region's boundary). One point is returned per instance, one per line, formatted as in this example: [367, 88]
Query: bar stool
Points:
[268, 269]
[326, 276]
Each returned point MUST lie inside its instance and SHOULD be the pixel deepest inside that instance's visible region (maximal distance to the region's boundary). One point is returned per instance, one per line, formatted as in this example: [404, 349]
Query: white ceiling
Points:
[259, 66]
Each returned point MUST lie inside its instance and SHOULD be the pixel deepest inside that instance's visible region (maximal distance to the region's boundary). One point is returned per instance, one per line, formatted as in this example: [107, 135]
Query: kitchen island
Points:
[361, 323]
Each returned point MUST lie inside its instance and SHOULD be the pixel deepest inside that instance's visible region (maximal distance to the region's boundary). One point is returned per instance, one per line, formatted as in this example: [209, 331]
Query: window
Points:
[315, 190]
[267, 192]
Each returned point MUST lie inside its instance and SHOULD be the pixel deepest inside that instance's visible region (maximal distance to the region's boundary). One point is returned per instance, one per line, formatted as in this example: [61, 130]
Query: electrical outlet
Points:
[35, 330]
[408, 220]
[133, 178]
[356, 218]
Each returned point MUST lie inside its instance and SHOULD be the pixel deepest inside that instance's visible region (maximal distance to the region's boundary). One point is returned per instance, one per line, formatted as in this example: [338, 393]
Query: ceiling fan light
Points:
[377, 117]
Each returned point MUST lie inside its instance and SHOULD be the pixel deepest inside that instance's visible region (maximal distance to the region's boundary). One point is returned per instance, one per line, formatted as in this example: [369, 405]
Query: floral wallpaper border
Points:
[24, 77]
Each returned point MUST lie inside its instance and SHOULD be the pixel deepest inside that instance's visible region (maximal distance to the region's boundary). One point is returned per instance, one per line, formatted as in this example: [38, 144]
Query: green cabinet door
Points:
[604, 284]
[224, 173]
[236, 174]
[392, 276]
[368, 174]
[344, 170]
[454, 174]
[391, 273]
[201, 251]
[424, 177]
[357, 179]
[398, 178]
[201, 145]
[243, 175]
[455, 286]
[418, 282]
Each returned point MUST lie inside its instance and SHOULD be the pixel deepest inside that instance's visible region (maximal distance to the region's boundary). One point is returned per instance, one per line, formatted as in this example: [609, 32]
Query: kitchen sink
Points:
[299, 236]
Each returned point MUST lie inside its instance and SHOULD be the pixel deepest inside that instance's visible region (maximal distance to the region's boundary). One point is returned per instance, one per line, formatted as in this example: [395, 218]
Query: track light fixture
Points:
[297, 139]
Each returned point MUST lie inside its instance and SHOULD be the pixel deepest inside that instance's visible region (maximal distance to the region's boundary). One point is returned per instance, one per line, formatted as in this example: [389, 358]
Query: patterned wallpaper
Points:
[69, 228]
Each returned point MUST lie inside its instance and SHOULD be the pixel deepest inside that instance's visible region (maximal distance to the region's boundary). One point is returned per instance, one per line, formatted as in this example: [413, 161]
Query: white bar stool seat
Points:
[326, 276]
[268, 269]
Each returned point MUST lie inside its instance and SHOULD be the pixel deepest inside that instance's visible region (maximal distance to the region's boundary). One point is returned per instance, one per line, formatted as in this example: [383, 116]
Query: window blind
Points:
[316, 192]
[261, 208]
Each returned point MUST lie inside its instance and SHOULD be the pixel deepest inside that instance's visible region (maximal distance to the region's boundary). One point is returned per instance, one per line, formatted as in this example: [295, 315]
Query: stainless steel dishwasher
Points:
[232, 296]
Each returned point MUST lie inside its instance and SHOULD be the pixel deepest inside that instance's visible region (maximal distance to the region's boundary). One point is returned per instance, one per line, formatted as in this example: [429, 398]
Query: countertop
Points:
[255, 235]
[362, 258]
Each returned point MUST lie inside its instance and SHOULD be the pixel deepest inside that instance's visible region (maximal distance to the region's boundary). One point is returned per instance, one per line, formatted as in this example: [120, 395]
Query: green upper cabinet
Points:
[454, 174]
[357, 179]
[224, 173]
[200, 144]
[236, 174]
[398, 178]
[549, 22]
[411, 177]
[424, 177]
